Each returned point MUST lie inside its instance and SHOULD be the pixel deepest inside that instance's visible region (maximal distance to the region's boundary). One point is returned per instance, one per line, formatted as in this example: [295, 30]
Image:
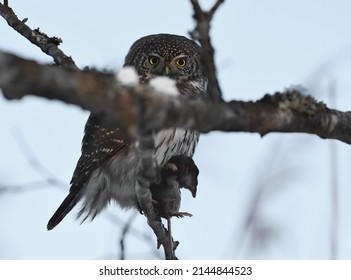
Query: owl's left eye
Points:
[181, 62]
[153, 60]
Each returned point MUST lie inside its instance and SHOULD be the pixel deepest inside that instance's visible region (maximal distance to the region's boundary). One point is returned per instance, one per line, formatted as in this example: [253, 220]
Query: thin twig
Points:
[125, 230]
[15, 189]
[201, 33]
[48, 45]
[35, 163]
[138, 234]
[262, 185]
[333, 153]
[215, 7]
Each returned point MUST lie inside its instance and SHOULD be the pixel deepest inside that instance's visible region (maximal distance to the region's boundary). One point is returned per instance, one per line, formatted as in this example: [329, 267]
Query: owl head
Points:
[174, 56]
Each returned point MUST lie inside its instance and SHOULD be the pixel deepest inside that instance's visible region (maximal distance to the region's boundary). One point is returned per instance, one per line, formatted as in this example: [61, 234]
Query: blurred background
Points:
[283, 196]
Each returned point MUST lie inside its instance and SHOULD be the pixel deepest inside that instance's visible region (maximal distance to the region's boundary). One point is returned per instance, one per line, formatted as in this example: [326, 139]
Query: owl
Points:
[107, 168]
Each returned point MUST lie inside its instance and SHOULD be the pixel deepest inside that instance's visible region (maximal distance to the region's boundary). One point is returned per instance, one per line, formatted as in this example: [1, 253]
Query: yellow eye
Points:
[153, 60]
[181, 62]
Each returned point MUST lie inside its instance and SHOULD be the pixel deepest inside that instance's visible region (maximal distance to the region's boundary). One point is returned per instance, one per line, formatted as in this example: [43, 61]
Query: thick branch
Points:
[141, 107]
[48, 45]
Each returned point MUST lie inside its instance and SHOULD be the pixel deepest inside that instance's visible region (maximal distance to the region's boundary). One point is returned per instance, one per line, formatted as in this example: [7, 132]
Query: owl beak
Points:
[167, 70]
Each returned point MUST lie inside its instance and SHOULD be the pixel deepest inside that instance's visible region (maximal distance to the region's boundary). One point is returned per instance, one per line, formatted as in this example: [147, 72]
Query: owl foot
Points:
[180, 214]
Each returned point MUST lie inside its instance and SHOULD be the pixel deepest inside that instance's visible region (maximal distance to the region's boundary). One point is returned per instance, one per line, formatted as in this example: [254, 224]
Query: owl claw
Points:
[180, 214]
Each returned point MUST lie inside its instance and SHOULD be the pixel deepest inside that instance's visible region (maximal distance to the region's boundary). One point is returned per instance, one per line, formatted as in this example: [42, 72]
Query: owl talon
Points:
[180, 214]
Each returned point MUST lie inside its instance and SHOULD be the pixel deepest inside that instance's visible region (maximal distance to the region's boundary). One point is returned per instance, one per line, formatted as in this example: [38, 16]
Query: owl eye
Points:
[153, 60]
[181, 62]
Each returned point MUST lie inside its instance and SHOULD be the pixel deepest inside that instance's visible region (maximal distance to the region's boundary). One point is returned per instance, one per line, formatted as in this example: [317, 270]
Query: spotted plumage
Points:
[106, 170]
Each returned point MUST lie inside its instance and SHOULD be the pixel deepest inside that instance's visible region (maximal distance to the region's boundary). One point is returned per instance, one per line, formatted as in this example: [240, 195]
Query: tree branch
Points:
[122, 239]
[148, 173]
[137, 233]
[48, 177]
[202, 34]
[141, 107]
[48, 45]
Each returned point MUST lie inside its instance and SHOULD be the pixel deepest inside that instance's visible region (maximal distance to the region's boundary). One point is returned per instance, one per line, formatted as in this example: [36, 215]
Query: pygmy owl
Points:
[107, 168]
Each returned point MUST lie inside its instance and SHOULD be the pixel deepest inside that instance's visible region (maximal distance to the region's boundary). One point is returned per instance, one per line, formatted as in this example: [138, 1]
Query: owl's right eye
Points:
[153, 60]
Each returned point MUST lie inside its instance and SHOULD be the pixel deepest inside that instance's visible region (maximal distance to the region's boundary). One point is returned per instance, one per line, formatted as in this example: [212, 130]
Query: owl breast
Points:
[174, 141]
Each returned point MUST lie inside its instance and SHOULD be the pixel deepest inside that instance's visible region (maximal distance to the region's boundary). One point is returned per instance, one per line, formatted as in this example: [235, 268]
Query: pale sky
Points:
[261, 47]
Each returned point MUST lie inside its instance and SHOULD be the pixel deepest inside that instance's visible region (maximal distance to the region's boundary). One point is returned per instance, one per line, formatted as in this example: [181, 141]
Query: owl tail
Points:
[66, 206]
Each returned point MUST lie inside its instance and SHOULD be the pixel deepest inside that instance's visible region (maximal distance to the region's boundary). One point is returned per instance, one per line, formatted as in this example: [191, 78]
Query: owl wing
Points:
[99, 144]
